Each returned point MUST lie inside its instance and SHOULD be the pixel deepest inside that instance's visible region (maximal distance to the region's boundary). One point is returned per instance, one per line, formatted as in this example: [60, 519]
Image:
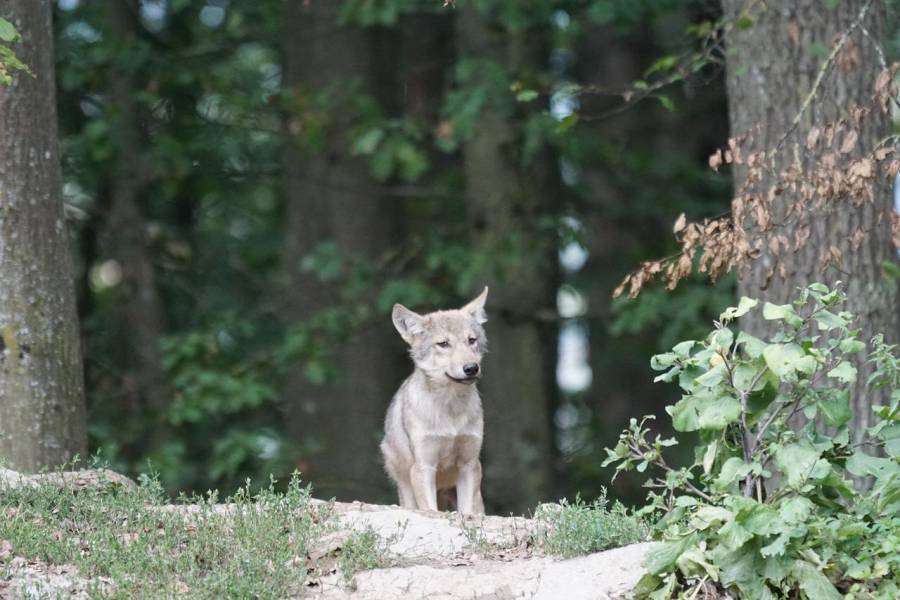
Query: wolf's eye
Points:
[472, 341]
[444, 344]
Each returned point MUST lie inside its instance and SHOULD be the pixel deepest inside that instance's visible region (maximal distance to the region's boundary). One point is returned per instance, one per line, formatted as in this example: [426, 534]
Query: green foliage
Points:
[765, 511]
[214, 118]
[9, 62]
[255, 547]
[362, 551]
[572, 529]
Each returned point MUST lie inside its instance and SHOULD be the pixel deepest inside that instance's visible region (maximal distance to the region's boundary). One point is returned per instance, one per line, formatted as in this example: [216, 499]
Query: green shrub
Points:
[572, 529]
[765, 511]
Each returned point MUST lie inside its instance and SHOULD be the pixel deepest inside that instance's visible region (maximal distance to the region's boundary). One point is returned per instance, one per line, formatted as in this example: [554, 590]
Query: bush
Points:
[572, 529]
[765, 511]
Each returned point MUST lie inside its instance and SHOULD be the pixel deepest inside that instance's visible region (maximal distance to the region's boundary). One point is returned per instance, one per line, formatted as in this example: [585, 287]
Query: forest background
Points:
[249, 186]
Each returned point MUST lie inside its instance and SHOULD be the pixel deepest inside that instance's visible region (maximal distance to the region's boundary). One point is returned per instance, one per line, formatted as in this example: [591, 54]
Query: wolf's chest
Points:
[453, 451]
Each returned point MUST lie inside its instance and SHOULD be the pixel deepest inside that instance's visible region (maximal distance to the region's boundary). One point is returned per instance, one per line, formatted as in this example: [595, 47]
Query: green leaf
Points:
[719, 413]
[706, 516]
[368, 142]
[732, 469]
[8, 33]
[753, 346]
[683, 349]
[684, 414]
[827, 320]
[662, 556]
[712, 377]
[709, 456]
[722, 340]
[862, 465]
[660, 362]
[851, 346]
[693, 563]
[526, 95]
[645, 585]
[743, 307]
[813, 582]
[733, 535]
[844, 372]
[782, 312]
[786, 359]
[835, 408]
[566, 123]
[741, 568]
[776, 547]
[662, 64]
[800, 462]
[666, 102]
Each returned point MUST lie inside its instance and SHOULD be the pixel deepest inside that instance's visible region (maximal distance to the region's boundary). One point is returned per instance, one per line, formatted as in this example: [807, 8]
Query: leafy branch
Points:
[759, 494]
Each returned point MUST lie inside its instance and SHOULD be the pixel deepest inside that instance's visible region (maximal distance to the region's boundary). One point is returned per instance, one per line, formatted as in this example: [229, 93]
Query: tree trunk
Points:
[330, 196]
[42, 414]
[772, 66]
[504, 201]
[138, 312]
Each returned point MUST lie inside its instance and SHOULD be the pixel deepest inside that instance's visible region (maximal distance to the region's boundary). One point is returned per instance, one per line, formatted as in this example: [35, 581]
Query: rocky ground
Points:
[430, 555]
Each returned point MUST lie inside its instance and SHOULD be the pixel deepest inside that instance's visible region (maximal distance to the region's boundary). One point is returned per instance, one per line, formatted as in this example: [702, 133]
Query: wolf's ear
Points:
[476, 307]
[407, 322]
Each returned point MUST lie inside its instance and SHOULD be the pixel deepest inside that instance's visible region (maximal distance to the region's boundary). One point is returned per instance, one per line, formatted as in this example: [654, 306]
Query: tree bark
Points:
[504, 200]
[330, 196]
[772, 66]
[42, 414]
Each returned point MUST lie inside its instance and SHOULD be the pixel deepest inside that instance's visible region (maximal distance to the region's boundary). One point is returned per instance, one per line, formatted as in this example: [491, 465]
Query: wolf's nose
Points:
[470, 369]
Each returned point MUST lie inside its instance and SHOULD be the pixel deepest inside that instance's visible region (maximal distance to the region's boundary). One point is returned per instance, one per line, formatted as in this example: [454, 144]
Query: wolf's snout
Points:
[470, 369]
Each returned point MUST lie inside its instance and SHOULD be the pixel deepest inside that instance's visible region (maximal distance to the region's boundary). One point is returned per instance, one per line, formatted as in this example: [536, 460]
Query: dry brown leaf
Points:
[812, 138]
[883, 153]
[679, 224]
[793, 33]
[849, 141]
[800, 236]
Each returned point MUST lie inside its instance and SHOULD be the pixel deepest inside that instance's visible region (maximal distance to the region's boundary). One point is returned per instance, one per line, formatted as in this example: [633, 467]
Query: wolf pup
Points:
[434, 425]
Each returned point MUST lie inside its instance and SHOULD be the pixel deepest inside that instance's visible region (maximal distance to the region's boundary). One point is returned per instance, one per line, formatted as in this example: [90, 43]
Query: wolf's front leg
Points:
[422, 477]
[468, 489]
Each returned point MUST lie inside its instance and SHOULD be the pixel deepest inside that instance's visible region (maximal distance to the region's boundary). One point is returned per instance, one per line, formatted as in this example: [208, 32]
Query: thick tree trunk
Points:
[139, 312]
[772, 66]
[330, 196]
[42, 415]
[504, 201]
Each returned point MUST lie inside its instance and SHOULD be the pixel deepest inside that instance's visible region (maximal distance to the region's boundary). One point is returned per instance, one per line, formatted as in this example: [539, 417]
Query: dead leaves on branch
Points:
[827, 171]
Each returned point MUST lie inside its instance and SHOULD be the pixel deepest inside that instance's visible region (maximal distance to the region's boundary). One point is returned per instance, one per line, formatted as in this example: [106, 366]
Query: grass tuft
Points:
[577, 528]
[362, 551]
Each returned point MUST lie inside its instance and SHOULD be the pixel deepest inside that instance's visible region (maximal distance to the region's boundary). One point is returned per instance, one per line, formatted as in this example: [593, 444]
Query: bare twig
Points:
[826, 66]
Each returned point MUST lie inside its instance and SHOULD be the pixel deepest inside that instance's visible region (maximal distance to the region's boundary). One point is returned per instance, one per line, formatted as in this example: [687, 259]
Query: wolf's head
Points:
[447, 344]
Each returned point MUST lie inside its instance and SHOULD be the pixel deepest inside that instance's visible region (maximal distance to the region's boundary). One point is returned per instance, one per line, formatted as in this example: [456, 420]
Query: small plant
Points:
[572, 529]
[472, 530]
[765, 511]
[362, 551]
